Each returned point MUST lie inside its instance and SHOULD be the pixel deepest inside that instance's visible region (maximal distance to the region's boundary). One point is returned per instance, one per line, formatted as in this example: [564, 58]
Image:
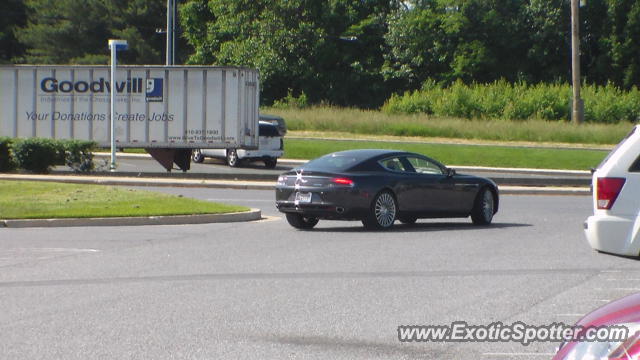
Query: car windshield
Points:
[333, 162]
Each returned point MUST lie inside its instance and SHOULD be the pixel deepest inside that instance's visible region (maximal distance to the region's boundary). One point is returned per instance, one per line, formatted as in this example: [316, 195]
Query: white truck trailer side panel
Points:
[156, 106]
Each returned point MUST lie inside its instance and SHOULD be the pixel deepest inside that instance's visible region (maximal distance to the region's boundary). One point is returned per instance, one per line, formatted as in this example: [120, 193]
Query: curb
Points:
[133, 181]
[259, 185]
[539, 190]
[524, 171]
[252, 215]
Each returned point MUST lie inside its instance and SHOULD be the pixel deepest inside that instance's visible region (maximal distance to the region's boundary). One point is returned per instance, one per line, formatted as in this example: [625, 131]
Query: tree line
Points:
[341, 52]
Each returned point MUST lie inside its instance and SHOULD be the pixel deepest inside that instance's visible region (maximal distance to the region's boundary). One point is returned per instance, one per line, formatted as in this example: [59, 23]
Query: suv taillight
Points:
[607, 191]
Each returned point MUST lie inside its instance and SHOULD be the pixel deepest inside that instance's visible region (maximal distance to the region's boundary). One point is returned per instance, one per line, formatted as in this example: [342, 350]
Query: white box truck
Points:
[167, 110]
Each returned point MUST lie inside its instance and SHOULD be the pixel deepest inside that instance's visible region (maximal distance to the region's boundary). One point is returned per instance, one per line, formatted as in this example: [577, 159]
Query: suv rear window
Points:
[268, 130]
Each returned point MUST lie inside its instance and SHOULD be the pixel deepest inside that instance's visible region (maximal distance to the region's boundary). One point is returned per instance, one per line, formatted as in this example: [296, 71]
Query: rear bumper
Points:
[613, 234]
[259, 154]
[338, 205]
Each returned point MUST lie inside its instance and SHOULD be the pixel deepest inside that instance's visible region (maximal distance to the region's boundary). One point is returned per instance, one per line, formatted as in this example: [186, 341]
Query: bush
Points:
[7, 162]
[292, 102]
[78, 155]
[38, 155]
[520, 101]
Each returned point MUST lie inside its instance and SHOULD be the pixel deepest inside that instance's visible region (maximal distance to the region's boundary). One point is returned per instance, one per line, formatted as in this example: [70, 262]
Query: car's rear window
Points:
[268, 130]
[333, 162]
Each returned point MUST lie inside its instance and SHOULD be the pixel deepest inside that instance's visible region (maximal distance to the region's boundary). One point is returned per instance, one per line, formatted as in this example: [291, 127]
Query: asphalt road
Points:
[263, 290]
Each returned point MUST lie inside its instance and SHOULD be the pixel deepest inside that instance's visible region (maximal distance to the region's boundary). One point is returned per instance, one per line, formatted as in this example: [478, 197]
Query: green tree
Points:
[330, 50]
[76, 31]
[13, 16]
[622, 31]
[472, 40]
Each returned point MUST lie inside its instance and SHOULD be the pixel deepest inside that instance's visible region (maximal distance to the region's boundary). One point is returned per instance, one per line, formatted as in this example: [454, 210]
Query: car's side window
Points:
[393, 164]
[424, 166]
[635, 167]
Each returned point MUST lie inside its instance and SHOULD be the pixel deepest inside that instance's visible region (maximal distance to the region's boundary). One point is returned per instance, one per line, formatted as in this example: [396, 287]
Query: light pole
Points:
[577, 106]
[114, 46]
[171, 25]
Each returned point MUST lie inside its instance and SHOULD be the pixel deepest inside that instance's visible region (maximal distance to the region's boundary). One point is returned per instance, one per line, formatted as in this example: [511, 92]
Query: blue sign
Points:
[155, 89]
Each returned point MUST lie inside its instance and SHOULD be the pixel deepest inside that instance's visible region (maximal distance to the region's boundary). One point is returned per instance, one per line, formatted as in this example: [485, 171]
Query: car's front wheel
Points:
[483, 208]
[197, 156]
[232, 158]
[383, 212]
[300, 221]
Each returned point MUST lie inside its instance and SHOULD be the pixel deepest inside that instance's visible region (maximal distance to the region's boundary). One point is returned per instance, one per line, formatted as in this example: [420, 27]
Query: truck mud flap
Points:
[167, 157]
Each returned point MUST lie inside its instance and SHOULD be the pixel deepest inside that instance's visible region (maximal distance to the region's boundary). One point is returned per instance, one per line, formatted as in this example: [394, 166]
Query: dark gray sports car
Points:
[379, 187]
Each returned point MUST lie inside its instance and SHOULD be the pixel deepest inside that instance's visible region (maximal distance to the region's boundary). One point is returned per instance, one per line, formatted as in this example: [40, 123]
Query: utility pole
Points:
[171, 22]
[577, 106]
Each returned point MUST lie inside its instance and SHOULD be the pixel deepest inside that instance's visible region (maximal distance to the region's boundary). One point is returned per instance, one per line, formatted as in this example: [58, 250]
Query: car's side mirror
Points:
[450, 172]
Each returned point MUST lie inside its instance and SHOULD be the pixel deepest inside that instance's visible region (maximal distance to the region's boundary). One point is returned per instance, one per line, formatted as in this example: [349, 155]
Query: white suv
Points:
[270, 148]
[615, 224]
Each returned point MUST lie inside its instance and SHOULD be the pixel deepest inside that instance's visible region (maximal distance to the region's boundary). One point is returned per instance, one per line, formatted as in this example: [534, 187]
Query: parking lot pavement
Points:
[263, 290]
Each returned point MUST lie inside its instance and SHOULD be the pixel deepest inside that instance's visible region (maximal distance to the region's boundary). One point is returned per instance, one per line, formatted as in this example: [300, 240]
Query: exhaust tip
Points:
[339, 210]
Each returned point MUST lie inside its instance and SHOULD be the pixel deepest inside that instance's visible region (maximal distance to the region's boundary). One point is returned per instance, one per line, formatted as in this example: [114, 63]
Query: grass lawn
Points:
[325, 121]
[472, 155]
[372, 122]
[42, 200]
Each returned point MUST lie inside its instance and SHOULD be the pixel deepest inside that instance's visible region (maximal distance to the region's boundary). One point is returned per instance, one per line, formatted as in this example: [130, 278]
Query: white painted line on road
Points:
[626, 289]
[245, 200]
[518, 354]
[617, 289]
[604, 300]
[610, 271]
[622, 279]
[268, 219]
[51, 250]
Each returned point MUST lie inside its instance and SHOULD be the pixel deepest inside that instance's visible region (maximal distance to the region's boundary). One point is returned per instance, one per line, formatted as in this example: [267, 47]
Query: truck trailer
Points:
[167, 110]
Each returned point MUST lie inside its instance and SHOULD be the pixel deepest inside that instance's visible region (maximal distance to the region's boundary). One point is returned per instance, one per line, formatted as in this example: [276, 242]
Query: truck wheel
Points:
[270, 163]
[232, 158]
[197, 156]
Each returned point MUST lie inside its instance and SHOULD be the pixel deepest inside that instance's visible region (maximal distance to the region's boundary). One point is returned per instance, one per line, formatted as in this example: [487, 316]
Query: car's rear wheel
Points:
[232, 158]
[300, 221]
[483, 208]
[270, 163]
[197, 156]
[408, 219]
[384, 209]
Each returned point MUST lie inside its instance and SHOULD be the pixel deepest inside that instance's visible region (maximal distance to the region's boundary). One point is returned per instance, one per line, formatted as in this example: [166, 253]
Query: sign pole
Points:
[114, 45]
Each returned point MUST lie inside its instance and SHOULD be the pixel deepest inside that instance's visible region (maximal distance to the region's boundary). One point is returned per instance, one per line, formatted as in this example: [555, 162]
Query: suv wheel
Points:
[197, 156]
[270, 163]
[232, 158]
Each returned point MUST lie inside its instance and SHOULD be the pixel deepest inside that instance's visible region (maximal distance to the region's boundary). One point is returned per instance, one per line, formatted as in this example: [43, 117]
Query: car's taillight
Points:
[342, 181]
[607, 191]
